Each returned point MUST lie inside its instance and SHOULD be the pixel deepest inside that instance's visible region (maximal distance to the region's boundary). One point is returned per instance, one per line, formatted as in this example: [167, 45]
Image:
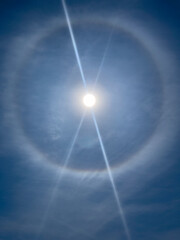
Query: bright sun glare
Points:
[89, 100]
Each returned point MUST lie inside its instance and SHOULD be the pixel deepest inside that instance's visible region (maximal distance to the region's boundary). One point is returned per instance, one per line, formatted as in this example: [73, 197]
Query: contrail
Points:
[94, 119]
[59, 176]
[103, 58]
[73, 142]
[111, 179]
[74, 42]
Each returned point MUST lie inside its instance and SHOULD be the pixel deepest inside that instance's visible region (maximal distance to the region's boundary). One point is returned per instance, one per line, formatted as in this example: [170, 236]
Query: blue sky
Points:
[132, 49]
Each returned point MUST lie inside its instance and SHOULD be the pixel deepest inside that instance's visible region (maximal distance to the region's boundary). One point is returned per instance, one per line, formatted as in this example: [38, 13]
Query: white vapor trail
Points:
[94, 118]
[74, 42]
[111, 179]
[59, 176]
[103, 58]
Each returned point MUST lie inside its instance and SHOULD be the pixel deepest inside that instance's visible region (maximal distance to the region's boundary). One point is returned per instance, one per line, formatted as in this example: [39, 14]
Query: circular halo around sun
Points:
[89, 100]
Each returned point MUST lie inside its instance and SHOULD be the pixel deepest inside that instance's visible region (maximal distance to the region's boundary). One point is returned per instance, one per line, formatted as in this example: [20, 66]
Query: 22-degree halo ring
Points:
[153, 139]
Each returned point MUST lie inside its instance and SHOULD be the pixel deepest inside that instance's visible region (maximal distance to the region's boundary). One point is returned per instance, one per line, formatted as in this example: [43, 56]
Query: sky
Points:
[111, 172]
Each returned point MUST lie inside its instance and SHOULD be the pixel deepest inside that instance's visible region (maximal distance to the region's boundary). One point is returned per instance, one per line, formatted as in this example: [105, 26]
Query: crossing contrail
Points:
[94, 118]
[111, 179]
[103, 58]
[59, 176]
[74, 43]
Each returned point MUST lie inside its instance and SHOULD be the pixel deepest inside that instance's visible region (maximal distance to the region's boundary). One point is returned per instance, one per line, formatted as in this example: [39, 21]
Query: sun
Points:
[89, 100]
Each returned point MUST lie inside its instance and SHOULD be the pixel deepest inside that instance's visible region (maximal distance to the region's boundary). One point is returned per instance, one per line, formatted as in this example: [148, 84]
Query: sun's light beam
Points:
[59, 176]
[74, 42]
[111, 179]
